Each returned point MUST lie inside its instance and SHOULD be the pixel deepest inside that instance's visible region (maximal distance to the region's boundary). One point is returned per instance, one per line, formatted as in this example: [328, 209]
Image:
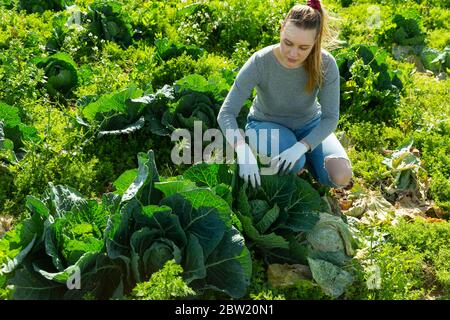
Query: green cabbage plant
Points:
[61, 73]
[13, 133]
[108, 22]
[370, 89]
[74, 248]
[284, 221]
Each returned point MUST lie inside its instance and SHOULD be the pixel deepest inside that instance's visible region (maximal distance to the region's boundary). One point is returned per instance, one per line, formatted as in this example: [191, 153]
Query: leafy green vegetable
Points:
[197, 99]
[331, 278]
[155, 108]
[369, 88]
[6, 147]
[12, 134]
[403, 166]
[191, 226]
[435, 60]
[107, 21]
[194, 99]
[61, 72]
[125, 111]
[165, 49]
[283, 221]
[164, 284]
[124, 239]
[59, 33]
[404, 30]
[66, 234]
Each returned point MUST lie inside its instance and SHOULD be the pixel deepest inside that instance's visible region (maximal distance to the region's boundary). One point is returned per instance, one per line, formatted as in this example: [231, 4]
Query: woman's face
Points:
[295, 44]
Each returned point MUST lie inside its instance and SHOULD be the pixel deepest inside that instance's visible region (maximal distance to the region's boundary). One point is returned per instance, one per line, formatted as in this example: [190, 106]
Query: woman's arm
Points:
[246, 80]
[328, 96]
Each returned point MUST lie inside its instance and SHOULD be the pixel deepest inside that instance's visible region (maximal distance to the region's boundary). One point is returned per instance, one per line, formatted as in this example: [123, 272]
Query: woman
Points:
[289, 77]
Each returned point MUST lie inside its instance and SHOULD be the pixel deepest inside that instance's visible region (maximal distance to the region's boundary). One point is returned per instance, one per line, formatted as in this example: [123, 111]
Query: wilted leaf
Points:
[286, 275]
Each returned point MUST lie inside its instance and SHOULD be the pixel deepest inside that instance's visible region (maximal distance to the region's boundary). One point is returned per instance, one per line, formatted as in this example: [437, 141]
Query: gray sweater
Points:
[280, 95]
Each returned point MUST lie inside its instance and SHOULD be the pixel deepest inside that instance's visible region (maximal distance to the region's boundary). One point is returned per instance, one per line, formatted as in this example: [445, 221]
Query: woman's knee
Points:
[339, 170]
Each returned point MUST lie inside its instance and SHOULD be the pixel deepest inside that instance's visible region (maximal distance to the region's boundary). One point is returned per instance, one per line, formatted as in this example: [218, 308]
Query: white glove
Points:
[248, 167]
[286, 160]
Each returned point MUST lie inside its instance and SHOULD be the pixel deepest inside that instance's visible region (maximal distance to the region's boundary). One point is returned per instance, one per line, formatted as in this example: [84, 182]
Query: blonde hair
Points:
[305, 17]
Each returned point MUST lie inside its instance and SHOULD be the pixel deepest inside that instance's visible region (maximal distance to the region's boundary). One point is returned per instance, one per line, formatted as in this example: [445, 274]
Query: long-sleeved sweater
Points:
[280, 95]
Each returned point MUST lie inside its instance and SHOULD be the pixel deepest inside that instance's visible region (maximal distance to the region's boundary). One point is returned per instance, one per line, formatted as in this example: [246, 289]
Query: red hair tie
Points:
[315, 4]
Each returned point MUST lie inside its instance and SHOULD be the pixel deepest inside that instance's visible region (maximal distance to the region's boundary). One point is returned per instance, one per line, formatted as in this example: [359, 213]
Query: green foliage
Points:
[57, 155]
[124, 240]
[219, 178]
[369, 89]
[405, 30]
[192, 107]
[12, 134]
[442, 267]
[346, 3]
[126, 111]
[283, 221]
[176, 230]
[408, 259]
[256, 22]
[61, 73]
[434, 147]
[368, 166]
[50, 255]
[435, 60]
[149, 19]
[166, 50]
[19, 78]
[41, 5]
[197, 23]
[164, 284]
[420, 235]
[414, 246]
[109, 22]
[172, 70]
[402, 276]
[113, 113]
[6, 189]
[194, 49]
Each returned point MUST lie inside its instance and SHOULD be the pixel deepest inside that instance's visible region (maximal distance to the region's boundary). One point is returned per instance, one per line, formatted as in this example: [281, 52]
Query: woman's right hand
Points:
[248, 166]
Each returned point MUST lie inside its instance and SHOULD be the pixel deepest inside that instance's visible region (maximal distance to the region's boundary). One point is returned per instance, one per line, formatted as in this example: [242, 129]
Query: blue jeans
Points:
[313, 160]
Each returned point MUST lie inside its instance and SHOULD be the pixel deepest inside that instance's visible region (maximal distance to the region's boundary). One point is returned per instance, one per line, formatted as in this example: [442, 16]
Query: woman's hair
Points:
[306, 17]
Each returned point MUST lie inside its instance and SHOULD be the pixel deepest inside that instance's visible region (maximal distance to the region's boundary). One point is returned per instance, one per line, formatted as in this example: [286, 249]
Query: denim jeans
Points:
[313, 160]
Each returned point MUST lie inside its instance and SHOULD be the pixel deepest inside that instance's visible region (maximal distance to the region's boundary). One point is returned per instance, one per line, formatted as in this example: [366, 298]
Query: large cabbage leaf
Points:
[126, 111]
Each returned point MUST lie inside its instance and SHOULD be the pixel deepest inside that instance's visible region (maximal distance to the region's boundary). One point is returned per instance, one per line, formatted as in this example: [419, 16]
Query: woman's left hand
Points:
[286, 160]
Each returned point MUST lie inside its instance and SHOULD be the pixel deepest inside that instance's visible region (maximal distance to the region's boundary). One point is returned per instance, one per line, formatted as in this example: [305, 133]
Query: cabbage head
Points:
[109, 22]
[61, 73]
